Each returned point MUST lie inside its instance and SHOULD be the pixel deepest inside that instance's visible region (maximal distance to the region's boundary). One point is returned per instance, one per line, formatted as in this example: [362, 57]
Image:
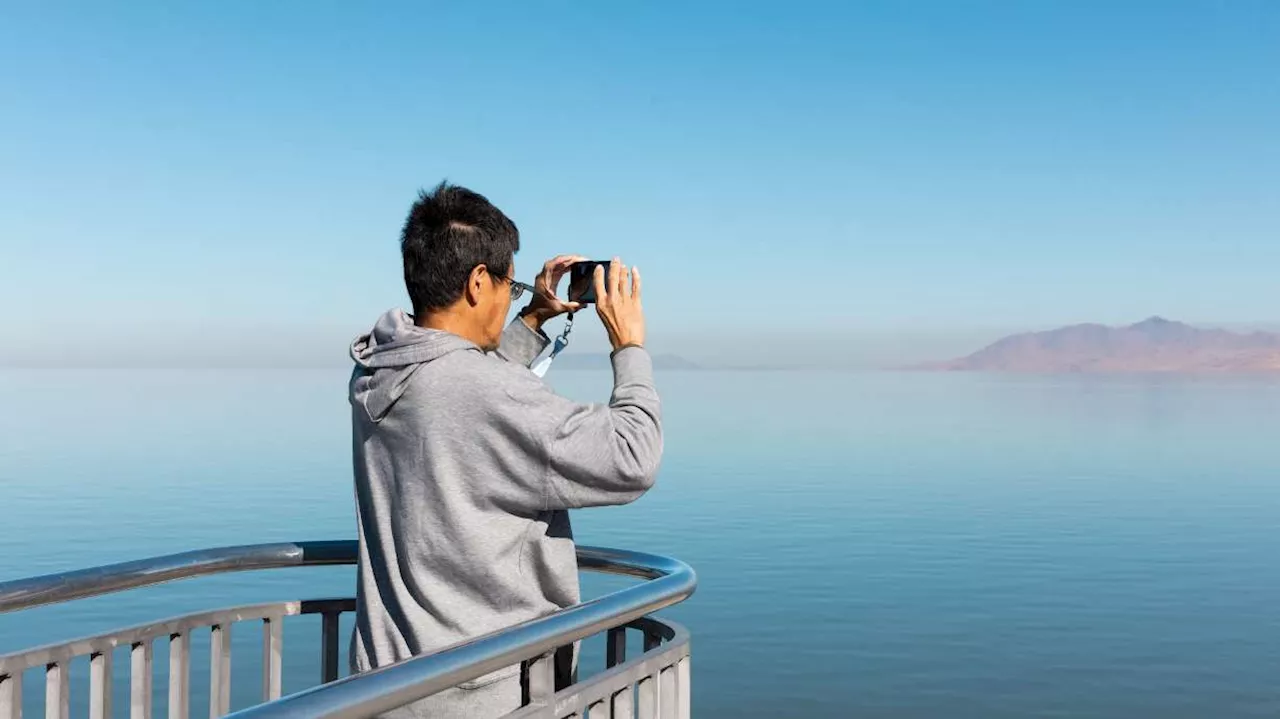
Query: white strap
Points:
[544, 364]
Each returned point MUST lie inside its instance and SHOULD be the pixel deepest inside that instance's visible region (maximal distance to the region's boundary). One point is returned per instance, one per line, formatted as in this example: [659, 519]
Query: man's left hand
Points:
[545, 303]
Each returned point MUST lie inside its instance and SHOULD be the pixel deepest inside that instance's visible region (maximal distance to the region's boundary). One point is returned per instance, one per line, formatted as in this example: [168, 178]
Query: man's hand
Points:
[618, 304]
[545, 303]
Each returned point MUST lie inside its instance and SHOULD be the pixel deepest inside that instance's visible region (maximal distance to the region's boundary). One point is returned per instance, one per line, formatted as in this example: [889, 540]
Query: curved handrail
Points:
[670, 581]
[31, 592]
[96, 581]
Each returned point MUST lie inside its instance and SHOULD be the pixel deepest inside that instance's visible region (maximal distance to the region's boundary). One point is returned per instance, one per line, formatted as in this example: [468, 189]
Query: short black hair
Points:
[450, 230]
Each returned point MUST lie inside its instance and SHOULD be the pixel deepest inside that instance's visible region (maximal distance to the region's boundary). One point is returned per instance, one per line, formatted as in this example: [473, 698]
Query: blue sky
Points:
[236, 173]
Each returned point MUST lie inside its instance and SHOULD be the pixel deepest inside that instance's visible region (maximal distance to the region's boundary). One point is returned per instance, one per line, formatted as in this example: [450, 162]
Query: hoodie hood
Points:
[389, 355]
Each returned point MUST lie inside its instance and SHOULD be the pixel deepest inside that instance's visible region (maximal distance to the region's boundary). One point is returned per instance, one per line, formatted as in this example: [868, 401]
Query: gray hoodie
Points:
[465, 465]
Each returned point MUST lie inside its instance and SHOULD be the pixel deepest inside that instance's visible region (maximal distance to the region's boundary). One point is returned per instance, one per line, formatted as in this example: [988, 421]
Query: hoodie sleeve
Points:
[596, 454]
[520, 344]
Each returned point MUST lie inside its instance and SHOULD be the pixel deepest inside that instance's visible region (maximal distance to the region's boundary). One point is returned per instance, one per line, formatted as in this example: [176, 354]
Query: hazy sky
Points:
[231, 177]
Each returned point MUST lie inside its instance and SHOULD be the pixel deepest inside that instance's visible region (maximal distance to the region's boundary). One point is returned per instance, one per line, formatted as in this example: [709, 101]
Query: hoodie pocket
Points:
[489, 679]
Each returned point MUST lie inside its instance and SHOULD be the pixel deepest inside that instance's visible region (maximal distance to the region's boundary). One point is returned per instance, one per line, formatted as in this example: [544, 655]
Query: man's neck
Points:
[450, 322]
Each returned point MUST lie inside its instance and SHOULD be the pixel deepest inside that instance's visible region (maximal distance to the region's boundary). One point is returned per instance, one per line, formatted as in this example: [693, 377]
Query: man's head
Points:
[459, 252]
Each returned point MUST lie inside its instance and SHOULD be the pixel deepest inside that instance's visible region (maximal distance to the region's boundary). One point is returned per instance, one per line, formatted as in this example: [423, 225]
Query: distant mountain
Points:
[1153, 345]
[597, 361]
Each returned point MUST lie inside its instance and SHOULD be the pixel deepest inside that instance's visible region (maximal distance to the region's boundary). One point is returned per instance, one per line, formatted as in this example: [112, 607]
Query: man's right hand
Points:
[618, 304]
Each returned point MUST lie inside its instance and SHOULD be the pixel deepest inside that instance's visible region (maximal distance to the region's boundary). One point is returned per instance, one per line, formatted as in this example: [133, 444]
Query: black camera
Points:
[582, 286]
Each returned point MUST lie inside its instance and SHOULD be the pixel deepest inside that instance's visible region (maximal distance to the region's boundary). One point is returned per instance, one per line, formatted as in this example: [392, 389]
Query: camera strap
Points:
[562, 341]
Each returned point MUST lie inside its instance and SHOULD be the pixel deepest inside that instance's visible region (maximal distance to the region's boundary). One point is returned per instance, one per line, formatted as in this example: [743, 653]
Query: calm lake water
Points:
[876, 545]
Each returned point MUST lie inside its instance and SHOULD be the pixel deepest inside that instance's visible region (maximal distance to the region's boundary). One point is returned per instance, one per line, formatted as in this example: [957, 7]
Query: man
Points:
[465, 462]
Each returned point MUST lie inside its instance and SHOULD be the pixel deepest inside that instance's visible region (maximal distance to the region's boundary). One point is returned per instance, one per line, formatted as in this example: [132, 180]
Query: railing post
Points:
[100, 685]
[538, 681]
[140, 680]
[668, 698]
[219, 670]
[652, 640]
[57, 691]
[179, 675]
[647, 697]
[616, 647]
[685, 679]
[11, 696]
[272, 639]
[329, 647]
[622, 704]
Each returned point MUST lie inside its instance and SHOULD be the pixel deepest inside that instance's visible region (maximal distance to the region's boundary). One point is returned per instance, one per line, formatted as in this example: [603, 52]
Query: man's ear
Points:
[474, 291]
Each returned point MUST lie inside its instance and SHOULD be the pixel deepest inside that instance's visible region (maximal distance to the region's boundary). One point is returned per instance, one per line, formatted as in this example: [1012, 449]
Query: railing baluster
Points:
[596, 709]
[329, 647]
[538, 681]
[272, 639]
[623, 704]
[616, 647]
[11, 696]
[100, 685]
[179, 675]
[57, 691]
[647, 698]
[219, 670]
[685, 681]
[140, 680]
[667, 697]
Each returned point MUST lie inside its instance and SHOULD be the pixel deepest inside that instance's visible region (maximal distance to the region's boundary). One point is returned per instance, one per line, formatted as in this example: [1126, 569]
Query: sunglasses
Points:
[517, 288]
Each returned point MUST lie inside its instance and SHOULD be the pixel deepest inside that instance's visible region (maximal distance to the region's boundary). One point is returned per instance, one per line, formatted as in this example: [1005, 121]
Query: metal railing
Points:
[654, 683]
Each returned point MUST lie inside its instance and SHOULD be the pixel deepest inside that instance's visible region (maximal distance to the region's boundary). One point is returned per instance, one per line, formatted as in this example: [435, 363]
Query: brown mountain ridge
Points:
[1153, 345]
